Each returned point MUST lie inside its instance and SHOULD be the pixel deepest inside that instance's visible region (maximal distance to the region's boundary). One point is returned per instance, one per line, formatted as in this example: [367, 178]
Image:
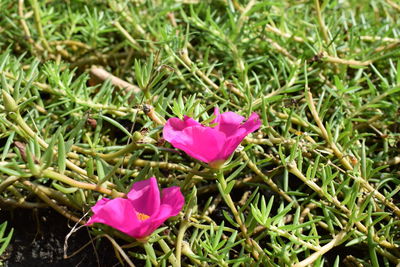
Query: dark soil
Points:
[38, 240]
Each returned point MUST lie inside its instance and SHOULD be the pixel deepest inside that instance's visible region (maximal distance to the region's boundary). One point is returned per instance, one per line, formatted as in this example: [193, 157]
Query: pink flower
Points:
[142, 212]
[212, 145]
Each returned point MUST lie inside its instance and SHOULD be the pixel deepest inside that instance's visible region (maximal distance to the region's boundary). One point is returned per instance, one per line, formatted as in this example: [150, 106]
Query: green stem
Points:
[292, 167]
[215, 227]
[129, 148]
[38, 22]
[147, 94]
[151, 253]
[167, 250]
[129, 37]
[25, 128]
[342, 157]
[184, 225]
[35, 189]
[188, 179]
[8, 181]
[321, 22]
[65, 179]
[229, 202]
[321, 251]
[189, 253]
[266, 179]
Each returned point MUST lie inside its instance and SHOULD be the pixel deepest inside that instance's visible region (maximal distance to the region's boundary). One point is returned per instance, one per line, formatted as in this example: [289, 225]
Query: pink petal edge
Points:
[145, 196]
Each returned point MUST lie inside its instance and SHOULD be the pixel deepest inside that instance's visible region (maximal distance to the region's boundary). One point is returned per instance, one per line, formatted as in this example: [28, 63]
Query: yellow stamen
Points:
[142, 216]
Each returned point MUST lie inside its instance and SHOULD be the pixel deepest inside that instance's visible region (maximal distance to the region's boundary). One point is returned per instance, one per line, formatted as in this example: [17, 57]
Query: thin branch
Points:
[351, 62]
[313, 257]
[393, 4]
[35, 189]
[321, 23]
[103, 75]
[38, 22]
[344, 159]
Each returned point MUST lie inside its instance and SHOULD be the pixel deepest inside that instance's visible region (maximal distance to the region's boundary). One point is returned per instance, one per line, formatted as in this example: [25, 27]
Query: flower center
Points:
[142, 216]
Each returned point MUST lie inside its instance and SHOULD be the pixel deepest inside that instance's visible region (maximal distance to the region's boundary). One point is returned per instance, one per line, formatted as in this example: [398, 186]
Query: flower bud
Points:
[9, 102]
[137, 136]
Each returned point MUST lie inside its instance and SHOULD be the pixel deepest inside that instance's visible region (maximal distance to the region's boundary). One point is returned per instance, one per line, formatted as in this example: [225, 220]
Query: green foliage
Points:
[320, 176]
[5, 237]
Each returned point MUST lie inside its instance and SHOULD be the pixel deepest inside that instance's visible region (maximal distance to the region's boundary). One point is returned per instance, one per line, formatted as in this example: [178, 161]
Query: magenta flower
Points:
[212, 145]
[142, 212]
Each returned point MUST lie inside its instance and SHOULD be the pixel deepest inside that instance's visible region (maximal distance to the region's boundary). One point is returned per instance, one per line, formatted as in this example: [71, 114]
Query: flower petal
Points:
[175, 126]
[99, 204]
[172, 196]
[141, 213]
[227, 122]
[199, 142]
[252, 124]
[233, 141]
[143, 228]
[121, 215]
[211, 145]
[145, 196]
[118, 213]
[172, 202]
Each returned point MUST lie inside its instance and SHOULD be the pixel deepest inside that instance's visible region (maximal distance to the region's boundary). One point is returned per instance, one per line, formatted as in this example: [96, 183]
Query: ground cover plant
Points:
[271, 128]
